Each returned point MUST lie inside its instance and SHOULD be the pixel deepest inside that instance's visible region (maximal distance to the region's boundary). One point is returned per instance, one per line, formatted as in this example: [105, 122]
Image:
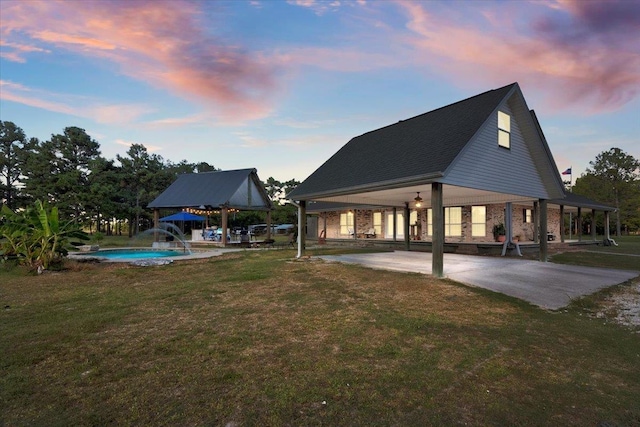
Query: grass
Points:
[257, 338]
[625, 256]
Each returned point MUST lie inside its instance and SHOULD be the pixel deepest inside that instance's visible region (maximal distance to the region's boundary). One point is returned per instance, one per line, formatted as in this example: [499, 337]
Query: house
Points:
[448, 174]
[222, 191]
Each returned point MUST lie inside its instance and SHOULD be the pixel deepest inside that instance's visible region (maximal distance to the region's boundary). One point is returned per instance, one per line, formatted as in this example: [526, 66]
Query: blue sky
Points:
[282, 85]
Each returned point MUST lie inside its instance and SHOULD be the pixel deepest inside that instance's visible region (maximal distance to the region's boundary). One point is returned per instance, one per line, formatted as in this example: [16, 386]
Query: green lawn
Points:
[257, 338]
[624, 256]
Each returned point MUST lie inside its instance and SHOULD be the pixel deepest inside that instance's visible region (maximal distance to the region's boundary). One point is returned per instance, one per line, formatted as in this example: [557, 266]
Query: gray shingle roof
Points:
[577, 200]
[214, 189]
[420, 146]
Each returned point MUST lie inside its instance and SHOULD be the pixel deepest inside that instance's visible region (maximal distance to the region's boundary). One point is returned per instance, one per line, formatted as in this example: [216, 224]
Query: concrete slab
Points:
[546, 285]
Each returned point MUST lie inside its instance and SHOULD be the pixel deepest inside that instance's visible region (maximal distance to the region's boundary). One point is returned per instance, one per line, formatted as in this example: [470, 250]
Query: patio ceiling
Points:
[452, 196]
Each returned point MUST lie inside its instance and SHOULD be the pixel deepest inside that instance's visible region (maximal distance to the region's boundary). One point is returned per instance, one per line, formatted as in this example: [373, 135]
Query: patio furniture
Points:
[370, 233]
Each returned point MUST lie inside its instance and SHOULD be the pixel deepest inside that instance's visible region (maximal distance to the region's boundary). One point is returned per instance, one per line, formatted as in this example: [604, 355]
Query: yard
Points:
[258, 338]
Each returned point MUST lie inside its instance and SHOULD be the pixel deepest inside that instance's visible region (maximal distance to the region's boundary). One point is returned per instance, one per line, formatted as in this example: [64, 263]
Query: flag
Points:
[567, 172]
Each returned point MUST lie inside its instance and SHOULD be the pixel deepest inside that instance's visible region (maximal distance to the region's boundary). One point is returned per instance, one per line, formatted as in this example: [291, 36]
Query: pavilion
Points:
[221, 191]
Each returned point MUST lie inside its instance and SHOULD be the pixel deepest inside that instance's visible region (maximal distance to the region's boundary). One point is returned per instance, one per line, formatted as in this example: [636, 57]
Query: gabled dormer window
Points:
[504, 130]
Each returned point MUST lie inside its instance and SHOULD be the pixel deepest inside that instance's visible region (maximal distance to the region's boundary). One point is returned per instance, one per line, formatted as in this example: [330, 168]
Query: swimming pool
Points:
[131, 254]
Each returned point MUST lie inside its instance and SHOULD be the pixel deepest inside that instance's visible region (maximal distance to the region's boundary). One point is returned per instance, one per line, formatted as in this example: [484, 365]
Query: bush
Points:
[35, 236]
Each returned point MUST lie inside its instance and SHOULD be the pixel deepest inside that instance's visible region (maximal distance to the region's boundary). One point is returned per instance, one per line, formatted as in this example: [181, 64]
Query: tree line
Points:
[69, 172]
[106, 195]
[613, 178]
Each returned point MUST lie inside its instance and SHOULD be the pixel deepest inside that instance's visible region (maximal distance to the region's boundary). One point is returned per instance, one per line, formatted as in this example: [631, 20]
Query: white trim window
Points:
[453, 221]
[504, 130]
[377, 223]
[527, 216]
[346, 223]
[478, 221]
[389, 225]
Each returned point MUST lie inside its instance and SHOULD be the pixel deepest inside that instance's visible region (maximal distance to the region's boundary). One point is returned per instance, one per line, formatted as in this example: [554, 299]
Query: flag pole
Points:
[571, 179]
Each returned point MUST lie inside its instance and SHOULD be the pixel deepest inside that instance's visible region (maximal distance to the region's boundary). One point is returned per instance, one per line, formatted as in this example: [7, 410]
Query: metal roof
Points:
[240, 189]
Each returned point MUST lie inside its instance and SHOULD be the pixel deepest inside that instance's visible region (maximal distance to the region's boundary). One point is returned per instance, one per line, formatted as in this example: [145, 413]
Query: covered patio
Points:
[486, 149]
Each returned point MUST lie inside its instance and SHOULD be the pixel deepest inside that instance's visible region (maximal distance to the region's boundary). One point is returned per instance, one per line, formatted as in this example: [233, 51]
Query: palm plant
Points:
[35, 236]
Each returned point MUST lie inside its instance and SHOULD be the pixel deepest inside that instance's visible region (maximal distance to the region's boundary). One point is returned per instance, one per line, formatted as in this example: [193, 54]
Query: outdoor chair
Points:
[370, 233]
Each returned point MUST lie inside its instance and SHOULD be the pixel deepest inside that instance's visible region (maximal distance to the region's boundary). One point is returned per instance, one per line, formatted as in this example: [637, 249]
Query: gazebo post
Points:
[156, 223]
[437, 241]
[607, 229]
[268, 224]
[593, 224]
[224, 213]
[302, 217]
[543, 230]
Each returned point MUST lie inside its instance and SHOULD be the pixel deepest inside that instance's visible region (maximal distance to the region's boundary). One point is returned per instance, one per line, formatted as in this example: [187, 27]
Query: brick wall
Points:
[494, 215]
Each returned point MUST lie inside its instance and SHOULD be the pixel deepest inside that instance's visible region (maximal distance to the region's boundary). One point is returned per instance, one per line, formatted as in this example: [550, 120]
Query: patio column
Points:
[508, 242]
[607, 230]
[405, 223]
[437, 241]
[302, 216]
[269, 224]
[224, 214]
[395, 224]
[355, 224]
[324, 225]
[562, 223]
[593, 224]
[156, 224]
[543, 230]
[579, 224]
[536, 222]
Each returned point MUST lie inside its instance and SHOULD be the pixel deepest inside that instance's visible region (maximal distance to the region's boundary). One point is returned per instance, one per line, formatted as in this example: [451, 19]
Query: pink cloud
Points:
[163, 43]
[17, 51]
[72, 105]
[577, 64]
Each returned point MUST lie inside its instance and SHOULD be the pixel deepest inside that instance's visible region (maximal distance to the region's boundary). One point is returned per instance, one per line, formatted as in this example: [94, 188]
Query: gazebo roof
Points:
[236, 189]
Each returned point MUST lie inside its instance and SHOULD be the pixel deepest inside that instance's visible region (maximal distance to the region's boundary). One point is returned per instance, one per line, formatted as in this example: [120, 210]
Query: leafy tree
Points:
[103, 191]
[13, 148]
[36, 237]
[58, 171]
[277, 190]
[144, 176]
[613, 179]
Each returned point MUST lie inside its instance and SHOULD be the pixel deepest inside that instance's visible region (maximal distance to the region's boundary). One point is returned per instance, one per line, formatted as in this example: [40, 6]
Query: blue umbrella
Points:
[182, 216]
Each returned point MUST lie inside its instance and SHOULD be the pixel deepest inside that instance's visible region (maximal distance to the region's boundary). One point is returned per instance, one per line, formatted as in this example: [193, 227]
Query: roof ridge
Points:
[441, 108]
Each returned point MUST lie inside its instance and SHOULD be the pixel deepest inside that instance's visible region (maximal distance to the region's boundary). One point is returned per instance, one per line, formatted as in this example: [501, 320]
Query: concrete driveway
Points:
[547, 285]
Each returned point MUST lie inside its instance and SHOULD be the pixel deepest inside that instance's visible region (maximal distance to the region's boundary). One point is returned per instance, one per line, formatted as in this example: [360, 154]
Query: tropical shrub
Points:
[35, 237]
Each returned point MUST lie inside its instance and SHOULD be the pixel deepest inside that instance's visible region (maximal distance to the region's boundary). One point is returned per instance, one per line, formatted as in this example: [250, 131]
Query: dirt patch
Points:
[623, 306]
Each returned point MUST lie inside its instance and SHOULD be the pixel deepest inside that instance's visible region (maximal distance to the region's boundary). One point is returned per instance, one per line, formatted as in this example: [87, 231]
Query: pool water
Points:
[137, 254]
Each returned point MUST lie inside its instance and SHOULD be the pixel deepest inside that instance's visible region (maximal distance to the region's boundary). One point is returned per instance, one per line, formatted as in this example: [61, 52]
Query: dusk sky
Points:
[282, 85]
